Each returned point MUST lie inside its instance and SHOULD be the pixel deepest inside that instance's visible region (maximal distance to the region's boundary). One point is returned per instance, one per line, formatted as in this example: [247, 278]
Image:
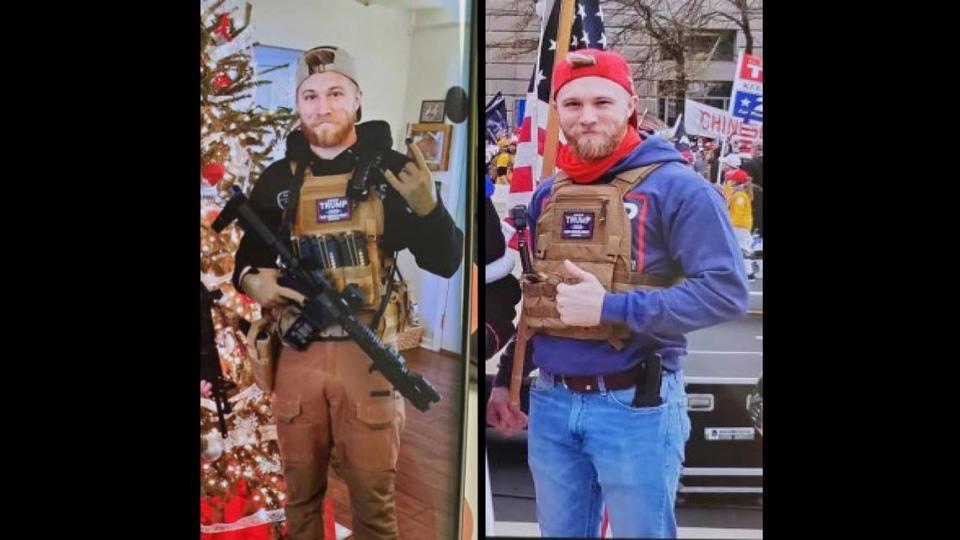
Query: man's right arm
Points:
[253, 251]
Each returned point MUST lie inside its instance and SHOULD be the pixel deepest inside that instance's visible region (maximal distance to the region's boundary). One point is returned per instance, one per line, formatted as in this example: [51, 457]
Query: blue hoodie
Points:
[683, 224]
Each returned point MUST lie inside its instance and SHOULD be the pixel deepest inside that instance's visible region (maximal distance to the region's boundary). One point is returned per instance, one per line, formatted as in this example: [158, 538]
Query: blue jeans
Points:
[588, 449]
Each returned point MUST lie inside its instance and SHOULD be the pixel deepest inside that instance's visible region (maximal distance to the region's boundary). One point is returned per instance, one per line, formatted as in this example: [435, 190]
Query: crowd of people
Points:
[740, 181]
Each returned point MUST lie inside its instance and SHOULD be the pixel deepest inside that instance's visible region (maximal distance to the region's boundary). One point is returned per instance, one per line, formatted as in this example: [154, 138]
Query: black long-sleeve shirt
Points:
[501, 296]
[434, 240]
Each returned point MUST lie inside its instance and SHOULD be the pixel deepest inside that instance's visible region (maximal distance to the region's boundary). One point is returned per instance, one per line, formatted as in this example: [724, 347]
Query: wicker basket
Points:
[410, 338]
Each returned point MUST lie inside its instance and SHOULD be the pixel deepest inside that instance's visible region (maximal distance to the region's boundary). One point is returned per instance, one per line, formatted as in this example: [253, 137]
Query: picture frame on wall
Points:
[432, 112]
[434, 142]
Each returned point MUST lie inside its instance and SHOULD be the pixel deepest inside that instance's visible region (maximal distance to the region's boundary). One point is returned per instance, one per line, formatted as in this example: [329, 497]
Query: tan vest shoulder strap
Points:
[560, 180]
[625, 181]
[629, 179]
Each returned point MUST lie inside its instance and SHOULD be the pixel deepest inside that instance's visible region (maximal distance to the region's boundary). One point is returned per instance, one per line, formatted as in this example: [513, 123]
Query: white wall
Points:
[439, 59]
[378, 37]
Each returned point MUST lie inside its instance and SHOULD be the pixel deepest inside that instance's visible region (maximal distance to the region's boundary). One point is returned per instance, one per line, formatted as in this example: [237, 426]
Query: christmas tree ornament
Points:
[222, 82]
[212, 173]
[223, 28]
[212, 445]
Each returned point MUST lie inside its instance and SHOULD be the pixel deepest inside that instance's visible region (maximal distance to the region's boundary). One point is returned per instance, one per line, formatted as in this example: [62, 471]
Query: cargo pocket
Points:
[296, 439]
[374, 441]
[377, 412]
[262, 353]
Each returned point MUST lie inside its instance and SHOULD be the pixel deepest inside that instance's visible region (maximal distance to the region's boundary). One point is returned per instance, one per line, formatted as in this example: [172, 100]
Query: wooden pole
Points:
[564, 27]
[519, 356]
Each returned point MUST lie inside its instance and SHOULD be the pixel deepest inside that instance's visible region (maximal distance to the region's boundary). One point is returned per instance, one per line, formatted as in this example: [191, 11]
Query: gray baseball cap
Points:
[326, 58]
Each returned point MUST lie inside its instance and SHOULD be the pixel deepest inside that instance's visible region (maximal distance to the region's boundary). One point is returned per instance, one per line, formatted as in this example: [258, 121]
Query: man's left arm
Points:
[420, 222]
[700, 238]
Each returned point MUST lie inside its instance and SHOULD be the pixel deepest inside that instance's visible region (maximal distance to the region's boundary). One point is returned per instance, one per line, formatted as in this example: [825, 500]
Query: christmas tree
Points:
[241, 482]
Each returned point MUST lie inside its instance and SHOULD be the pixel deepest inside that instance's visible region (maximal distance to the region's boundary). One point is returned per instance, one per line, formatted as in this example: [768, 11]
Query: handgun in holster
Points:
[649, 377]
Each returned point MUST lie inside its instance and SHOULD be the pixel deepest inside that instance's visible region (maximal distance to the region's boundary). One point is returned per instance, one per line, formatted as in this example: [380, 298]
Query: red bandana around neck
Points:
[585, 172]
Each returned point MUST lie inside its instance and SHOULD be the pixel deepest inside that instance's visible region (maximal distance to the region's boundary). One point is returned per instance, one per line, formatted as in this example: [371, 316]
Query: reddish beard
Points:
[597, 144]
[329, 132]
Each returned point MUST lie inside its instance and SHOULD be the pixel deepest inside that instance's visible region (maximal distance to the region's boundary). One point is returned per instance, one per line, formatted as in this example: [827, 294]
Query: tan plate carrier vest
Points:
[365, 216]
[588, 225]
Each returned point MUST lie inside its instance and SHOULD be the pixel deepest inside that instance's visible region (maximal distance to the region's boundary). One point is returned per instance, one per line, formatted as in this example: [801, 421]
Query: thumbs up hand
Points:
[580, 304]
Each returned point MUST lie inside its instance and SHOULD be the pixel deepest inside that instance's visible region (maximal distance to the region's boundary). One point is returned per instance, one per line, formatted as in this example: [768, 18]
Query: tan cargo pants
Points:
[325, 401]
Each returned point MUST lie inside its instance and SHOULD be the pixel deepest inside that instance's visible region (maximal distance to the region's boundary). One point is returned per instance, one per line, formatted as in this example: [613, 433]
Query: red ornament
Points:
[221, 82]
[243, 298]
[223, 29]
[212, 173]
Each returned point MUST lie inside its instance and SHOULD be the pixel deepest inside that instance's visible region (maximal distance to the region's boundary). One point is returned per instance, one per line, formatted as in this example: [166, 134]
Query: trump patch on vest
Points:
[577, 225]
[333, 209]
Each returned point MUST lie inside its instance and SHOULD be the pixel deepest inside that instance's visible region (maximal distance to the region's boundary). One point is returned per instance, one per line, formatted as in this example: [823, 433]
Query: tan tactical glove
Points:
[262, 286]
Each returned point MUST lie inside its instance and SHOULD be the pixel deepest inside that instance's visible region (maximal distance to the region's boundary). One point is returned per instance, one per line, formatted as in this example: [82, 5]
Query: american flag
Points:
[587, 32]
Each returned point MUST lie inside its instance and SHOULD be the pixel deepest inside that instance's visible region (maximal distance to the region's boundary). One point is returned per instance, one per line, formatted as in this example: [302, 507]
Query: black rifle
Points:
[210, 370]
[324, 304]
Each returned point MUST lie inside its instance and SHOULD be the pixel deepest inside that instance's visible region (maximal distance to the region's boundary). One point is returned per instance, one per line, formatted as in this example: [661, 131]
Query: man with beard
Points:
[325, 400]
[632, 250]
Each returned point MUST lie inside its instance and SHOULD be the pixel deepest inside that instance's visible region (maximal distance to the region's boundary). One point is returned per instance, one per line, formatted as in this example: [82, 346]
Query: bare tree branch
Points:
[719, 14]
[664, 40]
[526, 11]
[742, 10]
[672, 26]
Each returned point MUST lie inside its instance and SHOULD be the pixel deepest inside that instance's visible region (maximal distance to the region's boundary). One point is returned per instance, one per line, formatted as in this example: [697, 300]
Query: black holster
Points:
[649, 376]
